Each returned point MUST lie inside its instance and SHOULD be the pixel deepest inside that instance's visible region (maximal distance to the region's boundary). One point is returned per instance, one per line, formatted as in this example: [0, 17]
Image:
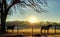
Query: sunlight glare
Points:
[33, 19]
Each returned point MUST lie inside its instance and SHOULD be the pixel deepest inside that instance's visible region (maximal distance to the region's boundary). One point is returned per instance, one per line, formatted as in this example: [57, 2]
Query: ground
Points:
[28, 32]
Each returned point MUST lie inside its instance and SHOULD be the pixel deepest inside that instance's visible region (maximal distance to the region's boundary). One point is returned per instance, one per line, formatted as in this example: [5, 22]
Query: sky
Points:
[53, 14]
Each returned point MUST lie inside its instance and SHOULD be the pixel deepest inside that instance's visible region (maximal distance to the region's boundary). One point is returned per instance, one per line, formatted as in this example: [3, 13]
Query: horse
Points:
[10, 27]
[46, 28]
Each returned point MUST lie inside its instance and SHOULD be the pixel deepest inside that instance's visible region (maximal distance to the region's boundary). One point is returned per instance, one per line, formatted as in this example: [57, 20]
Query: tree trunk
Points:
[3, 16]
[2, 25]
[4, 13]
[3, 21]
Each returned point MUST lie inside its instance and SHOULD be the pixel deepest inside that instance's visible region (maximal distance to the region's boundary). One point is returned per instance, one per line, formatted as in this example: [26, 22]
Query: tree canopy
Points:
[35, 4]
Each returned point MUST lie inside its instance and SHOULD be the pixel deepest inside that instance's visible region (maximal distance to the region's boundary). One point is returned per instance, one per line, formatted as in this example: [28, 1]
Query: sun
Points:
[32, 19]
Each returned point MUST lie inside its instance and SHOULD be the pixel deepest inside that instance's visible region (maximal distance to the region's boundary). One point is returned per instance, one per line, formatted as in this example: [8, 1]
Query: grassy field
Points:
[34, 31]
[28, 32]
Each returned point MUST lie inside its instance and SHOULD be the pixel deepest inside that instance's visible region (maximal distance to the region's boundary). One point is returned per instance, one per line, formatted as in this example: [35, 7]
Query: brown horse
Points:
[10, 27]
[45, 28]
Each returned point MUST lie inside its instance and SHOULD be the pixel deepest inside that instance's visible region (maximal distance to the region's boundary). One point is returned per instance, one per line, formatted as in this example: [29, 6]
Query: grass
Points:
[28, 32]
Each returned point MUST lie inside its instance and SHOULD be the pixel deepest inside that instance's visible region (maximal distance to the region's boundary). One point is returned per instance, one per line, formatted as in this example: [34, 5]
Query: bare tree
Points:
[5, 6]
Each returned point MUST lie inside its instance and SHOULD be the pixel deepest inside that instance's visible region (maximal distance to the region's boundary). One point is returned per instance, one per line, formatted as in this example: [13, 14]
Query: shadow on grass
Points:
[15, 36]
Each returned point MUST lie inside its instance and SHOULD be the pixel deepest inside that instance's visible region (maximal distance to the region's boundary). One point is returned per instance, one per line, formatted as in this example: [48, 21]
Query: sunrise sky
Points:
[53, 14]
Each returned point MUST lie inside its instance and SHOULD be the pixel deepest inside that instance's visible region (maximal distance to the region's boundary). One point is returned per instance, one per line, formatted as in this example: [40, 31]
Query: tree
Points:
[5, 6]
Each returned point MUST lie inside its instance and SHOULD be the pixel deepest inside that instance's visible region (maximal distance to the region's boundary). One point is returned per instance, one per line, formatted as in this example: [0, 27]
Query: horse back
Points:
[10, 27]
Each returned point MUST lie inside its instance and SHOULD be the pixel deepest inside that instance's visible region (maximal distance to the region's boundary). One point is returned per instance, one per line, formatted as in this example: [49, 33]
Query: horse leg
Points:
[44, 31]
[12, 30]
[41, 31]
[48, 31]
